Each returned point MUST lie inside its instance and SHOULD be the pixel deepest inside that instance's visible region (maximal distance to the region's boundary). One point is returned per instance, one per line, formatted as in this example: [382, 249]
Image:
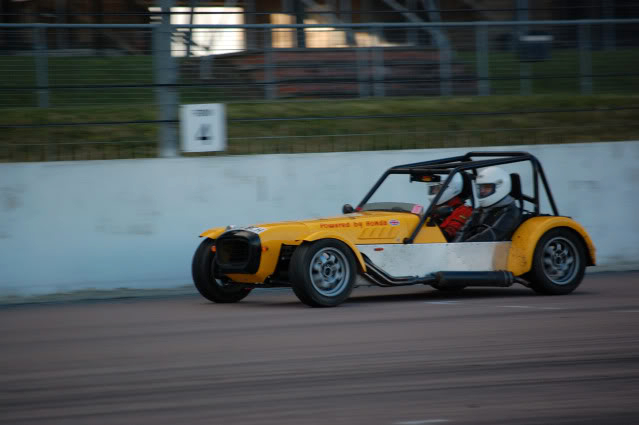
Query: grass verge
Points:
[336, 125]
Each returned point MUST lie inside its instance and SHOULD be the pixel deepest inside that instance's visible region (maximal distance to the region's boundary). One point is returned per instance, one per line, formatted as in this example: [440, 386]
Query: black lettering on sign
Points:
[202, 112]
[204, 134]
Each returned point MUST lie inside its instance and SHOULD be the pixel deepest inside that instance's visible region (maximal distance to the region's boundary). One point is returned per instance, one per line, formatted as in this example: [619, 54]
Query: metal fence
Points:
[63, 99]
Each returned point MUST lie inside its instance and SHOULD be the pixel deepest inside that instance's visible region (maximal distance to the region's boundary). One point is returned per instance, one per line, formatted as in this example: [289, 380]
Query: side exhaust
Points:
[499, 278]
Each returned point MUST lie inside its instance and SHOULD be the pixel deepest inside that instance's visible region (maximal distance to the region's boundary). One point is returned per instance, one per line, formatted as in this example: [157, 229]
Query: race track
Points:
[407, 356]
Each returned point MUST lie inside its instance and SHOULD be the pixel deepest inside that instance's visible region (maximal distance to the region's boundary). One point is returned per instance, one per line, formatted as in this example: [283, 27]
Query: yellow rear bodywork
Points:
[524, 241]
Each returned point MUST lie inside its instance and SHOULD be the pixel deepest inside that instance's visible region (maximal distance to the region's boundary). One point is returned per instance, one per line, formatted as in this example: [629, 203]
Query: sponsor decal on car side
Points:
[369, 223]
[393, 222]
[336, 225]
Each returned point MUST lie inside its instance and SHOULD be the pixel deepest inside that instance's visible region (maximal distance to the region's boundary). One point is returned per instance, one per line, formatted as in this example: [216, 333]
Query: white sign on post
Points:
[203, 127]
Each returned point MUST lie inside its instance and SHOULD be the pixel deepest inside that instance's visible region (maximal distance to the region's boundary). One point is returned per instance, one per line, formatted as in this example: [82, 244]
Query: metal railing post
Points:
[269, 66]
[345, 15]
[609, 30]
[362, 70]
[378, 67]
[481, 39]
[585, 59]
[525, 80]
[412, 36]
[165, 77]
[525, 68]
[445, 69]
[42, 67]
[62, 37]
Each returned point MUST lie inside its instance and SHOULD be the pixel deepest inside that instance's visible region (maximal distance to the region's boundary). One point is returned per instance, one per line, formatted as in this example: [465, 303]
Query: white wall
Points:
[134, 223]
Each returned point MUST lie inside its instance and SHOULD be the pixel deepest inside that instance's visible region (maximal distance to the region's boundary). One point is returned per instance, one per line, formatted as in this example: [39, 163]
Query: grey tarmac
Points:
[400, 356]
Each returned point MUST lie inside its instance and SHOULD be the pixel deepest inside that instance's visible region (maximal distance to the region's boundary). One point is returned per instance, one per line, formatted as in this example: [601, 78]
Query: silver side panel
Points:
[422, 259]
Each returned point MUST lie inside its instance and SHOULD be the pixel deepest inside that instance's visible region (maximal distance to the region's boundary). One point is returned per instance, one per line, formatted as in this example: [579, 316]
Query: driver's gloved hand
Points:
[443, 211]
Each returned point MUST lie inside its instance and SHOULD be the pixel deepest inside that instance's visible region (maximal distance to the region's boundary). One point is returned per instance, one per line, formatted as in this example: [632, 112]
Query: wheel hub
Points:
[560, 260]
[329, 271]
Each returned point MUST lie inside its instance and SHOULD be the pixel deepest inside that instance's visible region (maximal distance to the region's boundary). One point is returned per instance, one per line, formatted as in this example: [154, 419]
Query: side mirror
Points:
[347, 209]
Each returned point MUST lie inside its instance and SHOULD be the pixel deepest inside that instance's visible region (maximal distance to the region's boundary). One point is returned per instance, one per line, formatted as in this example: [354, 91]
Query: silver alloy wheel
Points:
[329, 271]
[560, 260]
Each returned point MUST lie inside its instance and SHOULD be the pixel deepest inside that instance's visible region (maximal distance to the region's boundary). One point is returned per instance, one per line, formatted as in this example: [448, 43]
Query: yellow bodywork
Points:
[380, 227]
[525, 239]
[363, 228]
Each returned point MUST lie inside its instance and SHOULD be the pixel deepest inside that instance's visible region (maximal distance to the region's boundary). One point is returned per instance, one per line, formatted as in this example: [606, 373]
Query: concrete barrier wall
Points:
[135, 223]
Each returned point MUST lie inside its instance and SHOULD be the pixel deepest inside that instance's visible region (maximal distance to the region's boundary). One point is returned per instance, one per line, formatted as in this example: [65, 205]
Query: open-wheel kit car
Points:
[396, 243]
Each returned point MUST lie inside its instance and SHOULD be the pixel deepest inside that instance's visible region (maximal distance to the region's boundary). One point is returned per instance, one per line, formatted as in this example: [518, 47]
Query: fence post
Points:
[42, 67]
[609, 30]
[62, 36]
[412, 36]
[378, 67]
[585, 59]
[445, 72]
[481, 39]
[345, 15]
[525, 68]
[165, 77]
[269, 66]
[525, 80]
[362, 70]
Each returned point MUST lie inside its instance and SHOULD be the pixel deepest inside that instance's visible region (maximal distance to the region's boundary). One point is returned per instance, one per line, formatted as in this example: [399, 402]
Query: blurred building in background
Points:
[293, 12]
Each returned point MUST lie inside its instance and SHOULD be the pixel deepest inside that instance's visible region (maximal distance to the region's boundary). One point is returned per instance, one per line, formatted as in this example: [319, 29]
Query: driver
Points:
[451, 209]
[497, 216]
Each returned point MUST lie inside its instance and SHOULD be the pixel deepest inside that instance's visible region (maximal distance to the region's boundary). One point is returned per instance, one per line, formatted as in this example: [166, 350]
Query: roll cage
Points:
[468, 162]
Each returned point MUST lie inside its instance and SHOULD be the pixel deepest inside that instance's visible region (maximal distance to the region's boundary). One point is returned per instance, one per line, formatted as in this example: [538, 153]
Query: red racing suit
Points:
[461, 212]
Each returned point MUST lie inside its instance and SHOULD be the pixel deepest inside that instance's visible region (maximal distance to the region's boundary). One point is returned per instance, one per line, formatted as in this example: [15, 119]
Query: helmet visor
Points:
[486, 189]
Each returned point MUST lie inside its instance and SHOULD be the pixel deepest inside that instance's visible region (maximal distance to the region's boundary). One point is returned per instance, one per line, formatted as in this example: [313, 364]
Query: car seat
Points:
[516, 193]
[515, 190]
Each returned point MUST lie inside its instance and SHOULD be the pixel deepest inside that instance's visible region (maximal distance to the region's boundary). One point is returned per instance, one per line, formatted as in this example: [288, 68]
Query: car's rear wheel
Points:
[559, 263]
[205, 278]
[323, 273]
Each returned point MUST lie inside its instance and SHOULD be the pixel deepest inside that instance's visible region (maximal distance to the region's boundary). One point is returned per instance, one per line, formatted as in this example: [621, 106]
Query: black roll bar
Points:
[457, 164]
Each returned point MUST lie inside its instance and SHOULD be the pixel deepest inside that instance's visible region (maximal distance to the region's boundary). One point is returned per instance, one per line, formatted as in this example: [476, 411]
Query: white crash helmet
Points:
[493, 185]
[454, 188]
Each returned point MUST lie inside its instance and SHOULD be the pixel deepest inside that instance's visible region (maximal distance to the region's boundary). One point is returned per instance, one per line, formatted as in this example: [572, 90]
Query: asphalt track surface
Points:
[408, 356]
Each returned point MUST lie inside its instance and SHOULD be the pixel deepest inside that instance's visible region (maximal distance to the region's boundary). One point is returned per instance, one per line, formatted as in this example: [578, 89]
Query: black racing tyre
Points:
[210, 287]
[323, 273]
[559, 263]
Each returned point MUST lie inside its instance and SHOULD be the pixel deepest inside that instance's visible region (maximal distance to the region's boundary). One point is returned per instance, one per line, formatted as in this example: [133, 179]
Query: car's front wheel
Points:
[207, 283]
[559, 263]
[323, 273]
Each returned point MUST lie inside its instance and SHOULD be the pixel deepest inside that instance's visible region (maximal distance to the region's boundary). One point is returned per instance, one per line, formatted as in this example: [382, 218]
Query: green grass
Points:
[139, 140]
[431, 131]
[562, 70]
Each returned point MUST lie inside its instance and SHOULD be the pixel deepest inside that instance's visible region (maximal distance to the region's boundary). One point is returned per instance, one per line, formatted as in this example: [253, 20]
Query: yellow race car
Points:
[387, 241]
